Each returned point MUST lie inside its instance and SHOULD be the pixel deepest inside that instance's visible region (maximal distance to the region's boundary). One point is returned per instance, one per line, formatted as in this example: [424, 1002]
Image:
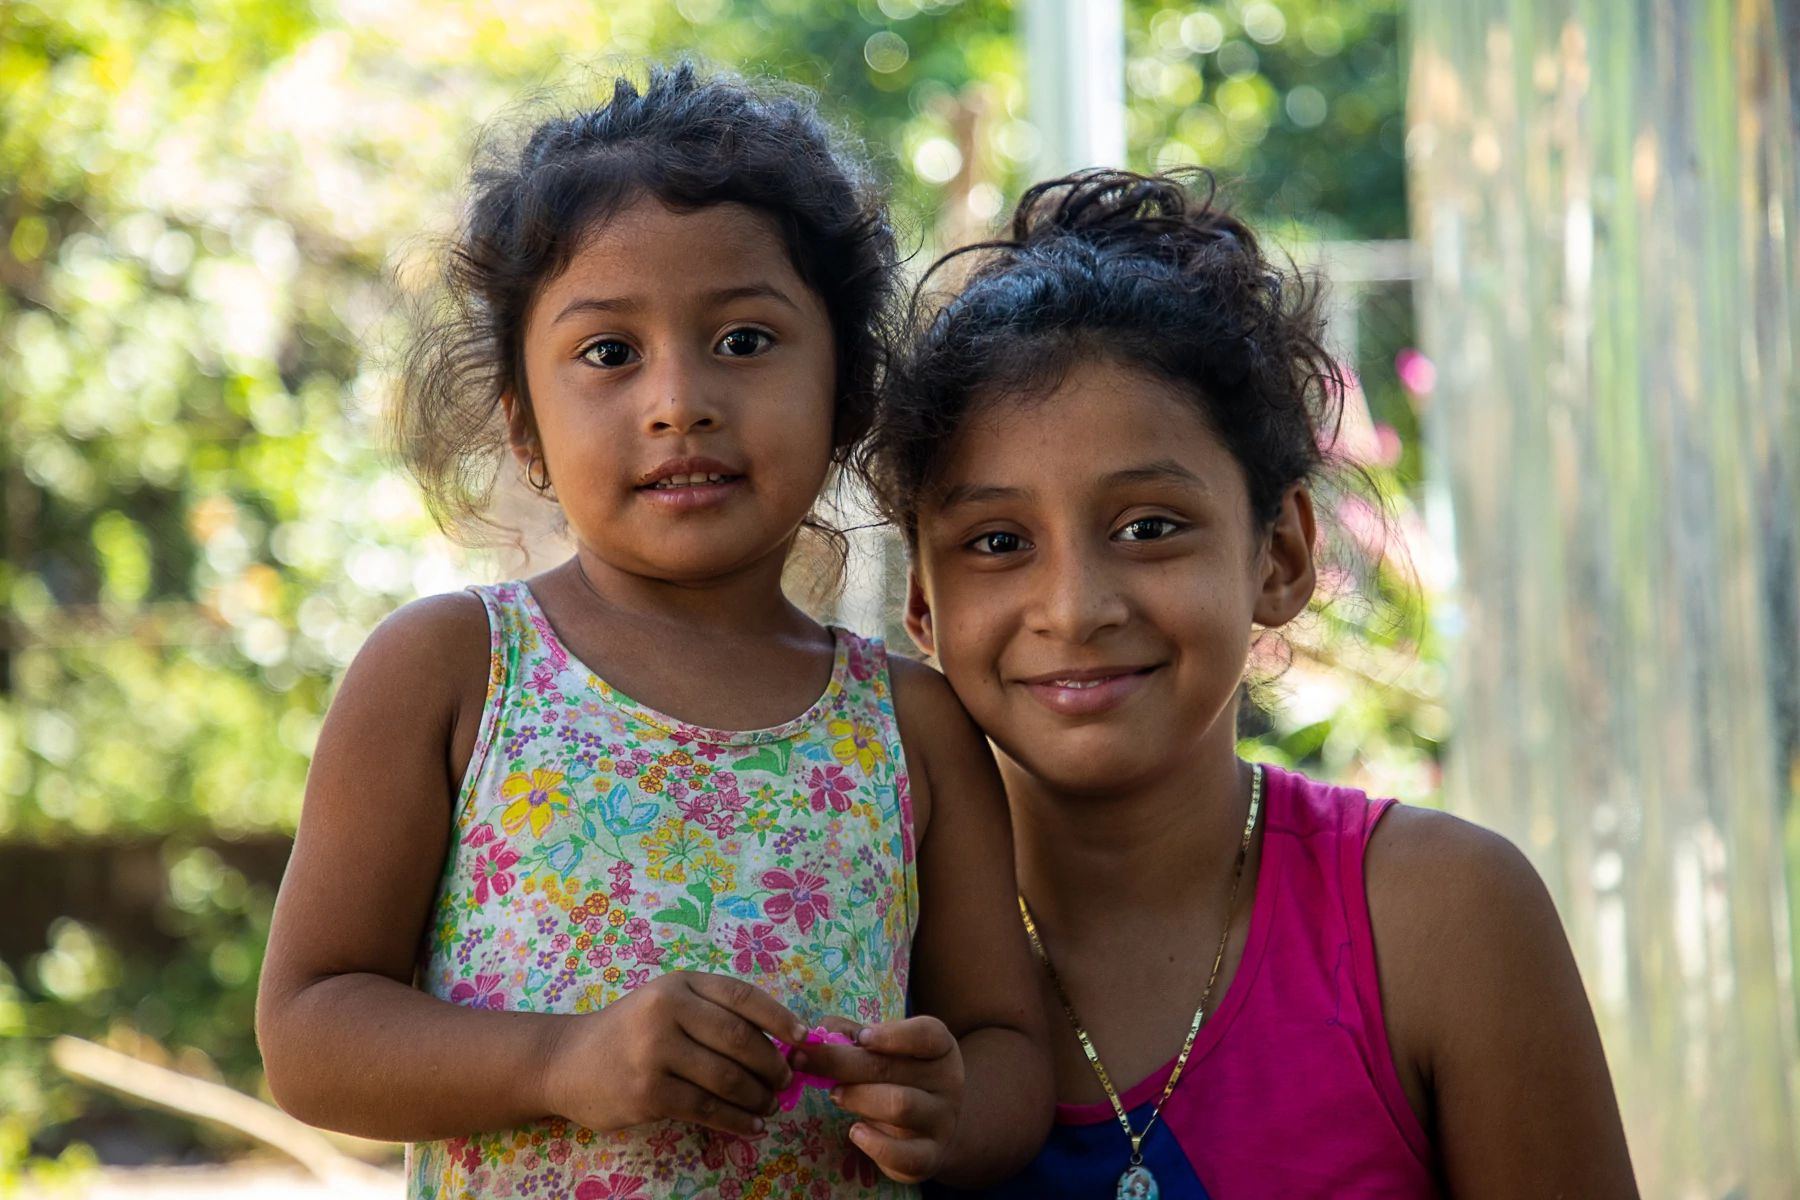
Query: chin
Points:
[1068, 766]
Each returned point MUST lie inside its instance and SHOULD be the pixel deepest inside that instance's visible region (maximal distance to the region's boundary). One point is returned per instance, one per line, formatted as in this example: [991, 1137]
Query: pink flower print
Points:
[481, 835]
[493, 869]
[614, 1187]
[830, 788]
[636, 979]
[695, 808]
[637, 929]
[559, 658]
[799, 894]
[599, 956]
[621, 882]
[559, 1151]
[542, 679]
[861, 669]
[757, 943]
[723, 823]
[650, 954]
[483, 993]
[709, 751]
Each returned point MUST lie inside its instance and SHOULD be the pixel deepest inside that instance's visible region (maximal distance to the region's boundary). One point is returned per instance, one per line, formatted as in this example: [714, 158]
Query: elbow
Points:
[284, 1059]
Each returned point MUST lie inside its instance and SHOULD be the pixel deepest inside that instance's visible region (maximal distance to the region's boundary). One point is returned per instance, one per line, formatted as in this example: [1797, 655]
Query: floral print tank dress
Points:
[598, 844]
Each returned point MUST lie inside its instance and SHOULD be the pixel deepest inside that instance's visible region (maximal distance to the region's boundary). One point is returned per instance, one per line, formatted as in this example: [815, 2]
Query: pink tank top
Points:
[1291, 1090]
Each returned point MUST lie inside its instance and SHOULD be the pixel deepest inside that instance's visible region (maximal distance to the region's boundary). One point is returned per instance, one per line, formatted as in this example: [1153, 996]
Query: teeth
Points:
[1079, 684]
[693, 480]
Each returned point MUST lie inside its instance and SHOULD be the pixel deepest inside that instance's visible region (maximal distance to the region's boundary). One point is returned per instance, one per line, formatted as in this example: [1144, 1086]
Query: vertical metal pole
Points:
[1075, 77]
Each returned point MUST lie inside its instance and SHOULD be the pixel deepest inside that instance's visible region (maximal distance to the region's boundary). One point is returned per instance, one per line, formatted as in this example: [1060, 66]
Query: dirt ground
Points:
[244, 1182]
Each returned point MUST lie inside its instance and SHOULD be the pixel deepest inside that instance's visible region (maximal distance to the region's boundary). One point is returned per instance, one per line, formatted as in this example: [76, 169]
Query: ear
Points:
[521, 429]
[918, 615]
[1287, 561]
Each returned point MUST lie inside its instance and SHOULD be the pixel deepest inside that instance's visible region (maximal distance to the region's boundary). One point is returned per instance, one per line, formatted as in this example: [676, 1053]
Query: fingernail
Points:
[758, 1125]
[862, 1036]
[797, 1060]
[837, 1096]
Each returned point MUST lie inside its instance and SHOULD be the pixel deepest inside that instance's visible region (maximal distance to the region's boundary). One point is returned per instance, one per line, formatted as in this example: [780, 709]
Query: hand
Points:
[905, 1079]
[686, 1046]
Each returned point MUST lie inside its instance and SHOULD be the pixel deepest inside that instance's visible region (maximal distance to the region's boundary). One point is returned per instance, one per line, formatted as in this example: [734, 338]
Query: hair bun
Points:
[1102, 205]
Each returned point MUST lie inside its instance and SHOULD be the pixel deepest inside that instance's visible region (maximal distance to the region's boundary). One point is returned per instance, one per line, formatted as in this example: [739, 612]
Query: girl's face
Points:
[682, 381]
[1088, 574]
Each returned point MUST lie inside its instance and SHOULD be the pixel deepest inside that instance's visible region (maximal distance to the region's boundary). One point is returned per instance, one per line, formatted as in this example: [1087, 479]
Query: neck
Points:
[746, 602]
[1087, 860]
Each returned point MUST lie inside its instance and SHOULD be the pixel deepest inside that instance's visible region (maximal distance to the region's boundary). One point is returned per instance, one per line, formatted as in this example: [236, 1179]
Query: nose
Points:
[1077, 597]
[679, 397]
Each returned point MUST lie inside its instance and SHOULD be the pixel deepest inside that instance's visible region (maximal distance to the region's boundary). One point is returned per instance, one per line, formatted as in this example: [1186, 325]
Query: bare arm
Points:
[350, 1044]
[1488, 1017]
[962, 1092]
[347, 1041]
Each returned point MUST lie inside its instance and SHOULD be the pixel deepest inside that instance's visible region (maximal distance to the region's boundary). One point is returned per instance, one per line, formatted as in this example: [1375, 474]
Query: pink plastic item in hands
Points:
[818, 1035]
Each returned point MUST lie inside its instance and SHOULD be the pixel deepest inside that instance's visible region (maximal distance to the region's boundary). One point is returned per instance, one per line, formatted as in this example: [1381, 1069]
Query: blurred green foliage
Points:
[204, 209]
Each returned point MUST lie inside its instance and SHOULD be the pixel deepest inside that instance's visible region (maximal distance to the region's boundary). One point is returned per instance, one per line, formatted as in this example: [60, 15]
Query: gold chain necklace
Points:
[1137, 1183]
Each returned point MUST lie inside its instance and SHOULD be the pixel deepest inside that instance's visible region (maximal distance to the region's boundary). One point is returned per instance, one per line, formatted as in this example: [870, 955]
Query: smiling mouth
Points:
[690, 480]
[1088, 693]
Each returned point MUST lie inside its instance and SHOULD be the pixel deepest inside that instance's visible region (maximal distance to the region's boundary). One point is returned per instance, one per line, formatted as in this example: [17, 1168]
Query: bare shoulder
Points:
[923, 699]
[429, 660]
[452, 626]
[946, 754]
[1454, 907]
[1486, 1013]
[1427, 869]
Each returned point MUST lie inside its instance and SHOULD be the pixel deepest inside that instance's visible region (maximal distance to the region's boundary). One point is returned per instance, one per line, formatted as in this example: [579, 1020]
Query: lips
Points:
[688, 472]
[1087, 691]
[688, 484]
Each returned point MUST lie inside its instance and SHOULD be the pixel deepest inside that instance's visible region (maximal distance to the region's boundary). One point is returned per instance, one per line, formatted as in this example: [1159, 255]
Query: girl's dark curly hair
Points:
[690, 141]
[1149, 271]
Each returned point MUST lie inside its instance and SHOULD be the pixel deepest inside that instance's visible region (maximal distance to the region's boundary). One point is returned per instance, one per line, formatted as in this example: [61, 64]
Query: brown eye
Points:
[1147, 529]
[998, 542]
[742, 343]
[608, 353]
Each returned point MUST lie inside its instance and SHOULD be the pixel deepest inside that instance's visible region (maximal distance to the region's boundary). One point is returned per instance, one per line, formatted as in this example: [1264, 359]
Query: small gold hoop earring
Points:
[531, 469]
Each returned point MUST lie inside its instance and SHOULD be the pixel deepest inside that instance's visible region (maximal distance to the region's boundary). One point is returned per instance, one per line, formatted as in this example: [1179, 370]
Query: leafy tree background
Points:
[209, 210]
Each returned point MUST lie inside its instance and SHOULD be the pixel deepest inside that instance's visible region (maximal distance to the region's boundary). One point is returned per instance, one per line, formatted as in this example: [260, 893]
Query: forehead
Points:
[1101, 422]
[649, 247]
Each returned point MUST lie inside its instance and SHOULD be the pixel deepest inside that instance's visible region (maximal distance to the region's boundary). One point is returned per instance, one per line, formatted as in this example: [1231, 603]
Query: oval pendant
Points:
[1137, 1183]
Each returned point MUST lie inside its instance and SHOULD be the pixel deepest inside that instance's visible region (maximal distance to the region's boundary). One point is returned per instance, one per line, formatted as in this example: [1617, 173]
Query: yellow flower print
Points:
[535, 799]
[616, 917]
[857, 743]
[674, 847]
[715, 872]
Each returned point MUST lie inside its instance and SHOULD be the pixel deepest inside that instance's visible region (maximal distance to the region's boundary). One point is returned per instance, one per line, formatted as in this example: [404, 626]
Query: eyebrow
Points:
[1165, 470]
[629, 304]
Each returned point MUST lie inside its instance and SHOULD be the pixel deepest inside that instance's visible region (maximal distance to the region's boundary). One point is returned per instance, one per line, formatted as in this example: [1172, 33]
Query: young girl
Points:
[582, 857]
[1100, 451]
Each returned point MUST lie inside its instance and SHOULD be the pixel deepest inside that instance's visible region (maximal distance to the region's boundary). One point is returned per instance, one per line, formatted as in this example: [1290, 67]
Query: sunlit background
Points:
[211, 212]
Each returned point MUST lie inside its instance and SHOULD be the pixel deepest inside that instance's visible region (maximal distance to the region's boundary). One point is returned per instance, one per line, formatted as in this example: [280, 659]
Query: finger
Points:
[723, 1079]
[724, 1032]
[843, 1025]
[751, 1003]
[902, 1159]
[851, 1064]
[682, 1099]
[915, 1037]
[903, 1109]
